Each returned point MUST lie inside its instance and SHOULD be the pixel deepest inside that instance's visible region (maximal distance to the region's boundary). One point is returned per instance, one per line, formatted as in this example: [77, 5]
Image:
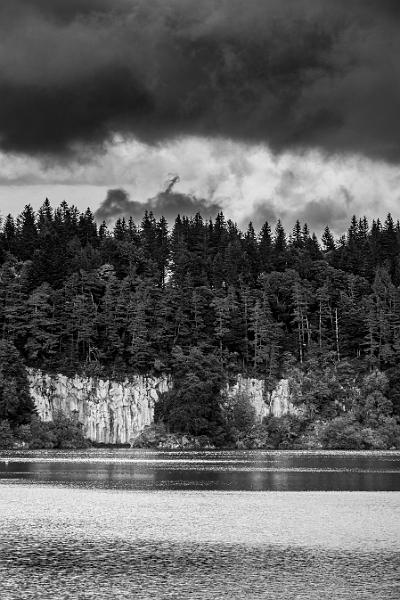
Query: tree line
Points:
[77, 297]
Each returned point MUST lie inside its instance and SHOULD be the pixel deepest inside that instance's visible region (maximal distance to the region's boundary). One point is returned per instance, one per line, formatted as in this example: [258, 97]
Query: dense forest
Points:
[205, 301]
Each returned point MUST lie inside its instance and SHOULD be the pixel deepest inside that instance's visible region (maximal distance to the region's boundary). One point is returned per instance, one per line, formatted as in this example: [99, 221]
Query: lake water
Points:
[140, 524]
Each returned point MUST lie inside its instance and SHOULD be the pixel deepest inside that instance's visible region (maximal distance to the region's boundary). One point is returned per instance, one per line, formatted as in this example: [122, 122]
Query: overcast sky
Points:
[265, 109]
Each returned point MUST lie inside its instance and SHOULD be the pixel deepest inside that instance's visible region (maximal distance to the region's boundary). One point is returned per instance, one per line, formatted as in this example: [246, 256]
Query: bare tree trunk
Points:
[300, 345]
[320, 324]
[337, 335]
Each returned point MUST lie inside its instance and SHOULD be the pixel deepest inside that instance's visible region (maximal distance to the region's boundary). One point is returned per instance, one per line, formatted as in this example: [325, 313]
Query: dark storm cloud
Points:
[167, 204]
[292, 73]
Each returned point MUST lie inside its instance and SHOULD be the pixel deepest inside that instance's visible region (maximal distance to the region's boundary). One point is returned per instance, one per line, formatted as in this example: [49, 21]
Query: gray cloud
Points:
[264, 210]
[325, 211]
[334, 211]
[167, 204]
[295, 74]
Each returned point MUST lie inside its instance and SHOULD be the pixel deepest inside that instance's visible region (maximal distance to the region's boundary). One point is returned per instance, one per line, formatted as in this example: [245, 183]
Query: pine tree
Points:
[27, 234]
[14, 285]
[41, 341]
[280, 247]
[266, 341]
[16, 405]
[297, 236]
[45, 218]
[221, 306]
[10, 234]
[328, 241]
[87, 229]
[251, 257]
[300, 317]
[265, 248]
[162, 250]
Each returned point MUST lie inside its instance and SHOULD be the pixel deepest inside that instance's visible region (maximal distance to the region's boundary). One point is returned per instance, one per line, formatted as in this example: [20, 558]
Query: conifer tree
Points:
[265, 248]
[16, 404]
[27, 234]
[327, 240]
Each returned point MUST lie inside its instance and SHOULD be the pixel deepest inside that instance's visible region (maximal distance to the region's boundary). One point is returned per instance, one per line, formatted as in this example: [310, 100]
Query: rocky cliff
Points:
[277, 403]
[113, 412]
[110, 411]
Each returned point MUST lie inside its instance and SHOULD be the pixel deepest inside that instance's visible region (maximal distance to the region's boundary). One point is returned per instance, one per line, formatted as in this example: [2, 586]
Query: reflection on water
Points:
[251, 470]
[240, 525]
[79, 543]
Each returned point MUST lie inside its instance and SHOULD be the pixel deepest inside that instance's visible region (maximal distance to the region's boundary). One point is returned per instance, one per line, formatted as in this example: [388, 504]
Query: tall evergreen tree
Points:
[16, 404]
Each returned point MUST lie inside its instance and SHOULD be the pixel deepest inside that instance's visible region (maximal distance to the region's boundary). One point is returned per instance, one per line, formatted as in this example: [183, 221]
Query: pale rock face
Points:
[114, 412]
[279, 400]
[276, 403]
[110, 412]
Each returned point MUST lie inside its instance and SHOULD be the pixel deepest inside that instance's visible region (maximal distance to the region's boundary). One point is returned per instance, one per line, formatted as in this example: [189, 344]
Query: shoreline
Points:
[151, 451]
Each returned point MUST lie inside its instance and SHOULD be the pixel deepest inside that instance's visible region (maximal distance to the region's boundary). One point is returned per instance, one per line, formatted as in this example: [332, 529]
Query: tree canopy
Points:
[201, 302]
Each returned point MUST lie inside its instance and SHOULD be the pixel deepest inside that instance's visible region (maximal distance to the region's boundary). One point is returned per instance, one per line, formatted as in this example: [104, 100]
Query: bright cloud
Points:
[247, 181]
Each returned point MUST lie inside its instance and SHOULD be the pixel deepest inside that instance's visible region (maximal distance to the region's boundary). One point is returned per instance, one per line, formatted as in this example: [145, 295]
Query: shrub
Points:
[67, 432]
[42, 436]
[6, 436]
[256, 438]
[284, 431]
[389, 431]
[342, 433]
[62, 432]
[239, 415]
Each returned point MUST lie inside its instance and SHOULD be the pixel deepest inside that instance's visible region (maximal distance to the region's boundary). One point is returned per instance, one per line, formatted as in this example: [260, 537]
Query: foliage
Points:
[346, 433]
[256, 438]
[40, 435]
[239, 415]
[206, 301]
[193, 404]
[373, 404]
[342, 433]
[61, 432]
[7, 439]
[322, 387]
[66, 433]
[284, 431]
[157, 436]
[16, 405]
[274, 433]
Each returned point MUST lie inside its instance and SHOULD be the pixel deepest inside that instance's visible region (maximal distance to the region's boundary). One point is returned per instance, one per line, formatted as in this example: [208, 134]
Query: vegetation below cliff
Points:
[202, 304]
[61, 433]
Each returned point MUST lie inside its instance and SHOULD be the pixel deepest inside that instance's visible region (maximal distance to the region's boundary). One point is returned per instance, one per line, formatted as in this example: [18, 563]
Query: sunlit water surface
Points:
[133, 524]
